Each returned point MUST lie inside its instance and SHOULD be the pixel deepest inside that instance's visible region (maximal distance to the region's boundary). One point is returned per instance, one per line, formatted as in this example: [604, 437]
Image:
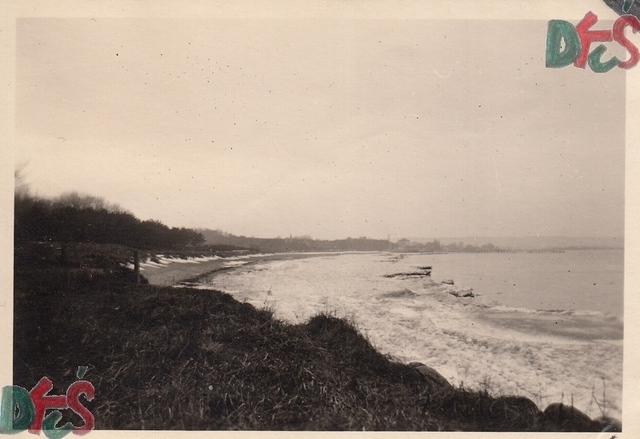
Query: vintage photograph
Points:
[320, 223]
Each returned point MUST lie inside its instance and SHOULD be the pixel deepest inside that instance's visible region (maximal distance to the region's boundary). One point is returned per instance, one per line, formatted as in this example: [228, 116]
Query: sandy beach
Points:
[171, 271]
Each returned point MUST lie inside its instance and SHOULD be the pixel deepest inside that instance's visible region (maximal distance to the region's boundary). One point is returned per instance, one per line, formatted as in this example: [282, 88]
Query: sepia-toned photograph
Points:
[319, 222]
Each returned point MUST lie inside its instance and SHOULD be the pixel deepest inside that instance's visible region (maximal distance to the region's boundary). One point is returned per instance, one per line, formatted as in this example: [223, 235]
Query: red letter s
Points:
[618, 35]
[73, 401]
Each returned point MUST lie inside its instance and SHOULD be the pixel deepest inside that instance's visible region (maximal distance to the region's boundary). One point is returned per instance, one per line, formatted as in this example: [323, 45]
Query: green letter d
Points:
[15, 397]
[558, 31]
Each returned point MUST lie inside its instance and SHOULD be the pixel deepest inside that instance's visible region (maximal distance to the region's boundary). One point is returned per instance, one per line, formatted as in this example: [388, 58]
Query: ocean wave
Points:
[563, 312]
[399, 294]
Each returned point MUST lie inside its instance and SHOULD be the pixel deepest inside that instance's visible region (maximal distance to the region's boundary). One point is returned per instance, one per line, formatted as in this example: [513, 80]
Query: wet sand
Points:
[176, 272]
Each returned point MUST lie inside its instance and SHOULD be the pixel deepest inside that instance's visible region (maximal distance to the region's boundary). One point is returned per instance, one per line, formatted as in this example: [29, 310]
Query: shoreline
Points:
[189, 273]
[542, 344]
[570, 325]
[174, 273]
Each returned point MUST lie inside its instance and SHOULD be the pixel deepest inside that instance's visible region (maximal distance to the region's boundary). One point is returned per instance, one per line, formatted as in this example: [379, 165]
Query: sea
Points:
[545, 325]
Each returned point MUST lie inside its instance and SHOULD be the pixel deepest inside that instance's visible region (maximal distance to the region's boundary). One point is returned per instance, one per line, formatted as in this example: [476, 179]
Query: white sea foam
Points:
[235, 263]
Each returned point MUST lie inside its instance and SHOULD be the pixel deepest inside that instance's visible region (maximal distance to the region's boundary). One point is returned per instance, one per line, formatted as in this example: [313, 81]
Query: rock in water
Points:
[463, 293]
[432, 376]
[568, 418]
[448, 281]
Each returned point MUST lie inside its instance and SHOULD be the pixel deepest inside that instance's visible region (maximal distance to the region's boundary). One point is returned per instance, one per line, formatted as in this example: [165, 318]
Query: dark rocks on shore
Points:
[448, 281]
[608, 424]
[571, 419]
[567, 416]
[515, 410]
[432, 376]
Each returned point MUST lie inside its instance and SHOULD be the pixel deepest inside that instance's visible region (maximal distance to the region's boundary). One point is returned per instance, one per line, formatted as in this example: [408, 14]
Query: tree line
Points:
[75, 217]
[300, 244]
[306, 243]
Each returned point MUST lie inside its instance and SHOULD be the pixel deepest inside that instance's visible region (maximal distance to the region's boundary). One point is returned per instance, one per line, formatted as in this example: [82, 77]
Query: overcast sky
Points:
[327, 128]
